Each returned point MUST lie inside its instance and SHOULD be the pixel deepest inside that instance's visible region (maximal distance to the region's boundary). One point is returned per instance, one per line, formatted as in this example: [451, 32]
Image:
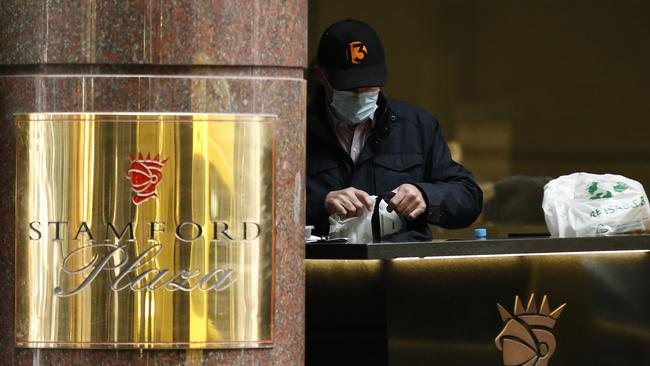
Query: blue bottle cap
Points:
[480, 233]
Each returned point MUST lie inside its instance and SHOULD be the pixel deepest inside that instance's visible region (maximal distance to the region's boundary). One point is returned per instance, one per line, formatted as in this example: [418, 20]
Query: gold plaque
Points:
[144, 230]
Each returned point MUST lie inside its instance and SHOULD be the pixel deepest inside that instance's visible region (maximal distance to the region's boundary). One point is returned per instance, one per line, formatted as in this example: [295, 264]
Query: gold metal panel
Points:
[144, 230]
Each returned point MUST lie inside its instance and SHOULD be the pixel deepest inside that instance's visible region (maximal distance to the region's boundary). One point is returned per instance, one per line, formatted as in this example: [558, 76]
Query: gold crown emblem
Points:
[526, 338]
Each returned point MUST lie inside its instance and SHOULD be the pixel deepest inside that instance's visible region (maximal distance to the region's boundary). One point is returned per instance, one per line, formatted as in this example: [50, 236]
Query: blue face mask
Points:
[352, 107]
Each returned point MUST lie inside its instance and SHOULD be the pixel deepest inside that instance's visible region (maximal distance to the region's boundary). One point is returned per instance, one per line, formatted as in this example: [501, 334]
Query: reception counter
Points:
[436, 303]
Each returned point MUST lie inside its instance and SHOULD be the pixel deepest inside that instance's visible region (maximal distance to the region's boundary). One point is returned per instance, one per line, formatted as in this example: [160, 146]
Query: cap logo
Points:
[357, 52]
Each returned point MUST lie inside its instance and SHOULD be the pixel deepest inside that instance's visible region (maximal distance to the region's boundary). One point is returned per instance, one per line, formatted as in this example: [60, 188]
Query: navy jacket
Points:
[406, 145]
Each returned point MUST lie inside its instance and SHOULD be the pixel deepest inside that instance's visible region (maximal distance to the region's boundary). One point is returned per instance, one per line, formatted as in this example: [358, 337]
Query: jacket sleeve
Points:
[454, 200]
[316, 213]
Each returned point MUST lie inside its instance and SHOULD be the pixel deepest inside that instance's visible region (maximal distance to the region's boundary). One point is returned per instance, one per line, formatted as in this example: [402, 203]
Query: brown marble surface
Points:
[242, 56]
[280, 95]
[157, 32]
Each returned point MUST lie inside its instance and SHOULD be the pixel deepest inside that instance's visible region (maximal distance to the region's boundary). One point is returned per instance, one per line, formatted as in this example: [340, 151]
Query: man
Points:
[360, 143]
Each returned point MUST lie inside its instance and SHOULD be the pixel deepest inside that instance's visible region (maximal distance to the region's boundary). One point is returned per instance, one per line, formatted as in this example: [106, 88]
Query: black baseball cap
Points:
[352, 55]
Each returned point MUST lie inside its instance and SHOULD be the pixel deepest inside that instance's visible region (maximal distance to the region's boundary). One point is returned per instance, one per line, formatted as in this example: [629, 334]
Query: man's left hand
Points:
[408, 201]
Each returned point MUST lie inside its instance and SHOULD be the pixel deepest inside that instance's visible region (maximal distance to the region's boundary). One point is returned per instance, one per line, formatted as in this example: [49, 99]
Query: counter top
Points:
[475, 248]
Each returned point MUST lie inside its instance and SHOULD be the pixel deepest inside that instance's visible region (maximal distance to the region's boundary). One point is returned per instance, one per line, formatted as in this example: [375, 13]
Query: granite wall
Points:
[217, 56]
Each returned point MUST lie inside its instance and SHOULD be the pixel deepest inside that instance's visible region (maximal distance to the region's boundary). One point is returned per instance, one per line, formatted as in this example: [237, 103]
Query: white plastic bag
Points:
[359, 229]
[583, 204]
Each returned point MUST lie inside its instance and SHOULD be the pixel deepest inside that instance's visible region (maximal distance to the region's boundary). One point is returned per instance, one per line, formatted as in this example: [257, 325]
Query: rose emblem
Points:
[145, 174]
[526, 338]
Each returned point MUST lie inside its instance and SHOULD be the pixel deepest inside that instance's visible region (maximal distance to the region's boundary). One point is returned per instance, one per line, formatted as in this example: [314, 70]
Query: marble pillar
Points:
[217, 56]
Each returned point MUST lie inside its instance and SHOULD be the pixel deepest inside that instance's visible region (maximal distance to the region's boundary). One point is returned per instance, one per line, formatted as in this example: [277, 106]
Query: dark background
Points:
[539, 88]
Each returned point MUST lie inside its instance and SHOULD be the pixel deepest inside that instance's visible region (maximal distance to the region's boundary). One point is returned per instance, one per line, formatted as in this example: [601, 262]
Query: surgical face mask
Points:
[352, 107]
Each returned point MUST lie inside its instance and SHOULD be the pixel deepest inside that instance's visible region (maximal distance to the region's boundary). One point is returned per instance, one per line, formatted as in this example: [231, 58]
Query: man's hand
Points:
[408, 201]
[348, 202]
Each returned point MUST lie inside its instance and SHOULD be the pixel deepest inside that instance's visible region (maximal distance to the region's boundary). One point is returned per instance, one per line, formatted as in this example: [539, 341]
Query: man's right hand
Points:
[348, 202]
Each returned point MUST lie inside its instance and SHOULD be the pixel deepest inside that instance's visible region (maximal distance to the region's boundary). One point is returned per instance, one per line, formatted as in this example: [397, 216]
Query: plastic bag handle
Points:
[374, 221]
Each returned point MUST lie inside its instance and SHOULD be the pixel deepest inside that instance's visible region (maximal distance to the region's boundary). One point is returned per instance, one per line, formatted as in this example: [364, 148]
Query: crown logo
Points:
[145, 174]
[527, 338]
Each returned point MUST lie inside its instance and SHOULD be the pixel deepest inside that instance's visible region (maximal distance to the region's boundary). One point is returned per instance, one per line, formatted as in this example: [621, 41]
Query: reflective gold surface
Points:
[144, 230]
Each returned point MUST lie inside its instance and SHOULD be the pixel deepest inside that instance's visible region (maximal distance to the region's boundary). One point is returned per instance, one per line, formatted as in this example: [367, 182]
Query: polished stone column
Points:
[215, 56]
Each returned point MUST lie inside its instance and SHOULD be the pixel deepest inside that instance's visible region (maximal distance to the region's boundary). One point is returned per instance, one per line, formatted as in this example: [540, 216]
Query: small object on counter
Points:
[312, 239]
[320, 239]
[308, 230]
[480, 233]
[325, 239]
